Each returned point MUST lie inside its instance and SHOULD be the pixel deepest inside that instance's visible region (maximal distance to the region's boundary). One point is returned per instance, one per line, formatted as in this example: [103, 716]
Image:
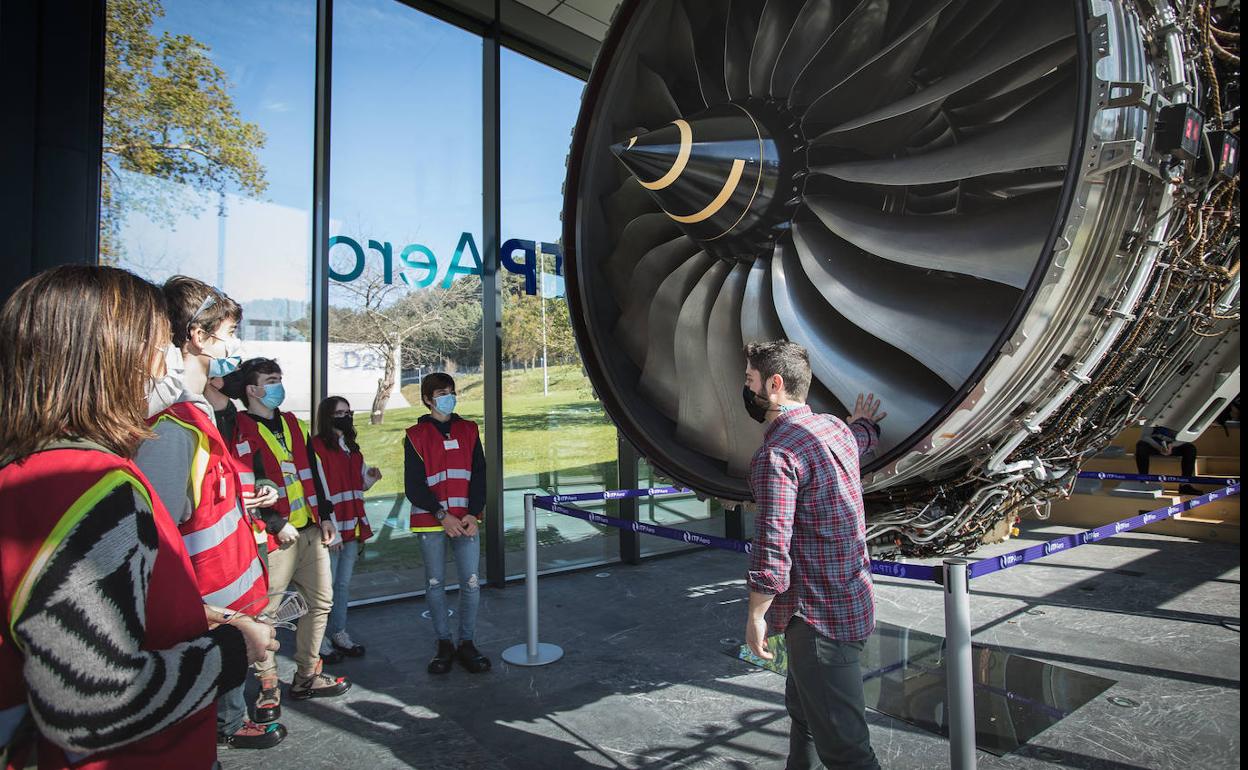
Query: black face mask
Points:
[343, 423]
[757, 411]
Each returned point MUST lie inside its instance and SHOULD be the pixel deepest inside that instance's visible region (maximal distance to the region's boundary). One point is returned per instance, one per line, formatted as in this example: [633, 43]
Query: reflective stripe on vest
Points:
[292, 487]
[89, 499]
[452, 473]
[224, 597]
[212, 536]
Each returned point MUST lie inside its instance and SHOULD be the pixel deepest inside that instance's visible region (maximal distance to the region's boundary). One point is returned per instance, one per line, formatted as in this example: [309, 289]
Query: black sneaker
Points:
[471, 658]
[254, 736]
[1188, 489]
[442, 661]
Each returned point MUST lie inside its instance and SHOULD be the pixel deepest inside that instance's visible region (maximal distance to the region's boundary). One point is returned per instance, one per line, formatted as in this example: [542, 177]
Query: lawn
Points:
[564, 433]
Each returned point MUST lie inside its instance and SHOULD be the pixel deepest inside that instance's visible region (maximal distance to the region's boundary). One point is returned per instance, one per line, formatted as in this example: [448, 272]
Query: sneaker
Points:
[442, 661]
[269, 702]
[343, 643]
[328, 653]
[318, 685]
[1188, 489]
[254, 736]
[471, 658]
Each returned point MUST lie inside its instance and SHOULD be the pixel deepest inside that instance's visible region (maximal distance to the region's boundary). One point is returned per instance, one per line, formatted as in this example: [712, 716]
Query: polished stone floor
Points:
[645, 682]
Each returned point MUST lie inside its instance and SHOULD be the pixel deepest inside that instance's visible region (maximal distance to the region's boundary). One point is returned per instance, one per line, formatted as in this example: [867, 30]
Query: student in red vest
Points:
[191, 469]
[345, 477]
[274, 444]
[444, 478]
[108, 656]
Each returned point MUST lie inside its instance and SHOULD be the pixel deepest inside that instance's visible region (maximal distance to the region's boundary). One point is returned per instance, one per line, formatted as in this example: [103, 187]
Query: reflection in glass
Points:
[405, 289]
[208, 118]
[556, 437]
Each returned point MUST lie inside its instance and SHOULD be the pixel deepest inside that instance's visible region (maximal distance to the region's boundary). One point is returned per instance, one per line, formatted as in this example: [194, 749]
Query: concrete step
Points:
[1217, 521]
[1166, 465]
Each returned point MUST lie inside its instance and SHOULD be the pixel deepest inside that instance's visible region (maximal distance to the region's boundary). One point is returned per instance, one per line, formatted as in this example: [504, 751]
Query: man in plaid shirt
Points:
[810, 575]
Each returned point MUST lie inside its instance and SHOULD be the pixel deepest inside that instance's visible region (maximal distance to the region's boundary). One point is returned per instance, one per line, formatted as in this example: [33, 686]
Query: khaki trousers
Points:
[304, 564]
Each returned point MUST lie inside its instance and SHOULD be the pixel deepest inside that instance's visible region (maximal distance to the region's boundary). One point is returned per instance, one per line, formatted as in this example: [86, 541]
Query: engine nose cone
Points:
[716, 175]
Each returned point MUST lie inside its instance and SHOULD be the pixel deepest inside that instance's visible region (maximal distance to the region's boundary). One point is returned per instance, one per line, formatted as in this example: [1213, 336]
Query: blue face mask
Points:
[445, 404]
[219, 367]
[274, 395]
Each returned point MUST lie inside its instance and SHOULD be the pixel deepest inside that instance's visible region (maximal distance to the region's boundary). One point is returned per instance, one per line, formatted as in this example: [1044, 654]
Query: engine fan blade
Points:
[632, 328]
[1036, 137]
[683, 64]
[646, 232]
[708, 44]
[726, 365]
[942, 322]
[884, 77]
[653, 104]
[759, 321]
[847, 360]
[1001, 107]
[815, 23]
[1002, 245]
[629, 201]
[660, 380]
[700, 421]
[1035, 40]
[743, 18]
[855, 40]
[773, 30]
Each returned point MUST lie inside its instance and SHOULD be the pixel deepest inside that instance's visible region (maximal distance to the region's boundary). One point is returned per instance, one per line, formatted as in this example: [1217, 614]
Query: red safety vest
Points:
[289, 467]
[342, 478]
[65, 484]
[448, 468]
[219, 534]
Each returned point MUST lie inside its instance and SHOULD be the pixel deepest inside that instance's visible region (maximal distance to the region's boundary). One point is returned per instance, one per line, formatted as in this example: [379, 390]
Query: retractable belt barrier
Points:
[954, 575]
[1221, 481]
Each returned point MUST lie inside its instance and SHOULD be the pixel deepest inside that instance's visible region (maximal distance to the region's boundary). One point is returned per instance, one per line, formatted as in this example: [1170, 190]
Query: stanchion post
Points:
[532, 652]
[958, 674]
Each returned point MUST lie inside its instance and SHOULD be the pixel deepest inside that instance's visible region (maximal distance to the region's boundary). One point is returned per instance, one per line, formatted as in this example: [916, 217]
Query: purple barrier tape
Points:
[552, 503]
[1221, 481]
[907, 571]
[610, 494]
[1066, 542]
[693, 538]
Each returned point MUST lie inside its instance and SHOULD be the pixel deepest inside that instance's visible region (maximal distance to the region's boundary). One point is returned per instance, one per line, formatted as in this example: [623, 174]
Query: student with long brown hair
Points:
[345, 477]
[108, 657]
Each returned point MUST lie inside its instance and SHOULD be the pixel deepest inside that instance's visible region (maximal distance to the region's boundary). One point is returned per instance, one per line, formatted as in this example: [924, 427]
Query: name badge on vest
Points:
[451, 443]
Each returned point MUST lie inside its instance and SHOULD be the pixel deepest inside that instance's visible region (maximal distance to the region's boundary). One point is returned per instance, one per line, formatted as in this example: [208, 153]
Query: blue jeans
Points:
[231, 711]
[467, 552]
[342, 567]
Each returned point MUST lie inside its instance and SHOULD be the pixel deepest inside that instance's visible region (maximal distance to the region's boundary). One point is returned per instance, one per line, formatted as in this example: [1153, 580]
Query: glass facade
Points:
[209, 166]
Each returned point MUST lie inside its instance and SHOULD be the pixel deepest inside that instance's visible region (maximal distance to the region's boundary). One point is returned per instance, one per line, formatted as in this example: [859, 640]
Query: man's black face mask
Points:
[757, 410]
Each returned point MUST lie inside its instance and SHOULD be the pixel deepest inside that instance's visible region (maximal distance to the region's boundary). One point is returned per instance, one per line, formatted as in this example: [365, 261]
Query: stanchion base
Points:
[519, 654]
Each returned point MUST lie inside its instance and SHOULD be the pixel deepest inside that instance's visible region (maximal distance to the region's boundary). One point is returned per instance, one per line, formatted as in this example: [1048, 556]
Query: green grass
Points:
[564, 432]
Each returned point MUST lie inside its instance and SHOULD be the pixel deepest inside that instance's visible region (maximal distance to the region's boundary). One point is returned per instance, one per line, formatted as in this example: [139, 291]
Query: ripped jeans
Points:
[467, 552]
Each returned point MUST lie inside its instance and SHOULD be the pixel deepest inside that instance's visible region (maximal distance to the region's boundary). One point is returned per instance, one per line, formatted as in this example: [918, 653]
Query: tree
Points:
[168, 115]
[428, 326]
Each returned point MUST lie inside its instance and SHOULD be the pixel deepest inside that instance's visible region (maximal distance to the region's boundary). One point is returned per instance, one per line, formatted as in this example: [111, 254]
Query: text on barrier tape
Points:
[1066, 542]
[543, 501]
[1221, 481]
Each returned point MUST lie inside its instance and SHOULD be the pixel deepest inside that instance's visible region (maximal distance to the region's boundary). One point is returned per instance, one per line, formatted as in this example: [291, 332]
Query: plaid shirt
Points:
[810, 548]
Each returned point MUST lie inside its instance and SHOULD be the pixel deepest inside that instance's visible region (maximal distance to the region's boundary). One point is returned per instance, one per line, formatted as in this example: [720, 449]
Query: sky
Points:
[405, 143]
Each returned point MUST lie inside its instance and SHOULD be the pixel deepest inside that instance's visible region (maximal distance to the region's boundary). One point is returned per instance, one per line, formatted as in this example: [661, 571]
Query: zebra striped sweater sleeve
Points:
[90, 686]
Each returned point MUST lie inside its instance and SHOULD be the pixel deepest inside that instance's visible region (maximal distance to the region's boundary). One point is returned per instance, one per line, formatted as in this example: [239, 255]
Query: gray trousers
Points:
[823, 694]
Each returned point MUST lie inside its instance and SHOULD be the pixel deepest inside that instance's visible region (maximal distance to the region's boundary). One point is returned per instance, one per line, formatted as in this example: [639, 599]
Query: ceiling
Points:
[589, 17]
